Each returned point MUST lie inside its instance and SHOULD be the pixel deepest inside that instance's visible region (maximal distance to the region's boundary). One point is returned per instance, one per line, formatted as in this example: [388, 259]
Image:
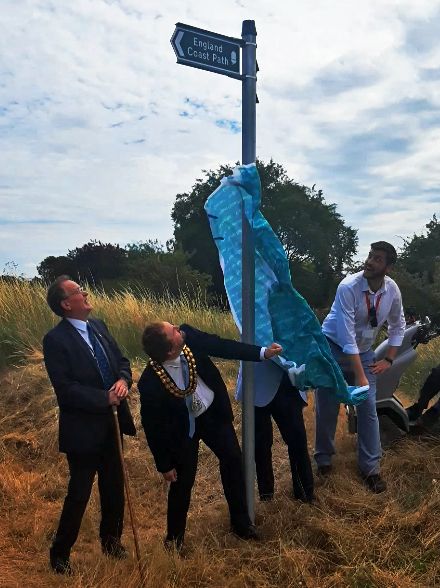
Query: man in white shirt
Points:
[363, 303]
[184, 400]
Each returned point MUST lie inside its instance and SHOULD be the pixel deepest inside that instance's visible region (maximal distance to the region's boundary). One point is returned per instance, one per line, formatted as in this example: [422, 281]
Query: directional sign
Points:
[206, 50]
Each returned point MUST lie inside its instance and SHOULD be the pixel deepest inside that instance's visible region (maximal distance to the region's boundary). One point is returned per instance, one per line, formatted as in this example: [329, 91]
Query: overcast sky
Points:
[100, 128]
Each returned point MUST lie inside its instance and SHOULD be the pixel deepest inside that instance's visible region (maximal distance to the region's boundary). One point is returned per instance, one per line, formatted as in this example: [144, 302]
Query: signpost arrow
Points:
[206, 50]
[177, 40]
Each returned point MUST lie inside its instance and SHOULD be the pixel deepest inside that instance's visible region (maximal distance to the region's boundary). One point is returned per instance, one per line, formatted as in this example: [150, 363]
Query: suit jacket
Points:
[86, 417]
[165, 416]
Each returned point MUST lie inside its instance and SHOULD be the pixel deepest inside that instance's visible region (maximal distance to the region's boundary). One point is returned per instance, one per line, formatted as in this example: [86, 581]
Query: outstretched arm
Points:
[216, 346]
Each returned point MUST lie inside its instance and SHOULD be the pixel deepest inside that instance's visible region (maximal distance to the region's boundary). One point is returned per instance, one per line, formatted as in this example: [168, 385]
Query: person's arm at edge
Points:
[346, 332]
[396, 330]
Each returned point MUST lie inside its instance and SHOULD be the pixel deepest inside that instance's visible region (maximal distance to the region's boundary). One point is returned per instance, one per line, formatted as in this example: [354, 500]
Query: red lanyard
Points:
[376, 306]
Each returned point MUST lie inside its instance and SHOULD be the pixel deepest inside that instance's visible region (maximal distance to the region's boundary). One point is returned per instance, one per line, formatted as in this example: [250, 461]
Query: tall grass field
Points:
[347, 538]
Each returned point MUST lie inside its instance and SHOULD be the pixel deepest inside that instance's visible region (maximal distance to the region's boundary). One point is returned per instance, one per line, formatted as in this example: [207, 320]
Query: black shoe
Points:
[430, 417]
[374, 483]
[173, 544]
[114, 548]
[246, 533]
[324, 470]
[413, 413]
[60, 565]
[266, 496]
[307, 497]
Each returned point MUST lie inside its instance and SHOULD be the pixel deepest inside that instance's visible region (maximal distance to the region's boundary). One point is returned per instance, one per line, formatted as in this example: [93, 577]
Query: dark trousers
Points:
[430, 388]
[286, 408]
[221, 438]
[111, 492]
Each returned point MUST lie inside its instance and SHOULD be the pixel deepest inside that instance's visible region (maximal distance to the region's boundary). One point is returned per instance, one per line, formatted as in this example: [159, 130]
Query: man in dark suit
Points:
[184, 399]
[89, 375]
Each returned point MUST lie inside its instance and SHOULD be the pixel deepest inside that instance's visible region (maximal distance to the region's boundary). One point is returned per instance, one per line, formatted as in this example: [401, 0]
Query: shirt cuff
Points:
[262, 352]
[350, 349]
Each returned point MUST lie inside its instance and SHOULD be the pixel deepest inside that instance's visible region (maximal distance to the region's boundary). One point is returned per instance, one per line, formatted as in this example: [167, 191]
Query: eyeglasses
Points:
[372, 316]
[78, 290]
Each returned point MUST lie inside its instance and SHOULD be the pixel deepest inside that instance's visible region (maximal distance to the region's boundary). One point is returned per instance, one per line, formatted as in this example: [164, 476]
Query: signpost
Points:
[248, 146]
[221, 54]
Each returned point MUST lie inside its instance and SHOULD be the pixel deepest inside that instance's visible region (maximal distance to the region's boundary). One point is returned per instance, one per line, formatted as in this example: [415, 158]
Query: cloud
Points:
[100, 129]
[422, 34]
[232, 125]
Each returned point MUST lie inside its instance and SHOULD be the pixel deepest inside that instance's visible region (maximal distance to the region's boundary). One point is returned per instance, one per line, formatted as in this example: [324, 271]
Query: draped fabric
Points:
[281, 313]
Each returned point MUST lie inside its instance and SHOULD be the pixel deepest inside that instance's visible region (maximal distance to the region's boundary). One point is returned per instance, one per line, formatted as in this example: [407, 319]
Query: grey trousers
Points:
[327, 410]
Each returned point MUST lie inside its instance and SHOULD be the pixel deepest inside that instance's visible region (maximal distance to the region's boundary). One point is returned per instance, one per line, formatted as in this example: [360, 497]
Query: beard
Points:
[371, 274]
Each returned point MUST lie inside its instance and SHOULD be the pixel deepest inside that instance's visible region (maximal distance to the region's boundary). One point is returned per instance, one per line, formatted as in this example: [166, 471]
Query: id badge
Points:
[368, 336]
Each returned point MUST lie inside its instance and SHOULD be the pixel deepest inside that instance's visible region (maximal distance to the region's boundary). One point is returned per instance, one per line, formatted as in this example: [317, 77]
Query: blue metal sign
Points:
[206, 50]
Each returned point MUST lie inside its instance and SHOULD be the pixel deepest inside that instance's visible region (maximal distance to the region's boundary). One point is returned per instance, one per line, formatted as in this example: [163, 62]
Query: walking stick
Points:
[127, 492]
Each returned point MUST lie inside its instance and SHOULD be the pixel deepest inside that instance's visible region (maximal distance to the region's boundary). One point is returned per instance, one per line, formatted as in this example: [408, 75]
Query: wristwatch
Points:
[389, 360]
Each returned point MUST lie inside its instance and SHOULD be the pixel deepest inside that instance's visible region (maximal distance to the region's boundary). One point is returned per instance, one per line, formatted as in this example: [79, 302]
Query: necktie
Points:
[101, 359]
[188, 399]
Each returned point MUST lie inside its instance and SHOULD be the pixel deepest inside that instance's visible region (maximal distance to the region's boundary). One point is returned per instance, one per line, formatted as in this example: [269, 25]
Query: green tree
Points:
[93, 262]
[416, 293]
[421, 253]
[54, 266]
[418, 270]
[316, 240]
[96, 261]
[143, 265]
[163, 269]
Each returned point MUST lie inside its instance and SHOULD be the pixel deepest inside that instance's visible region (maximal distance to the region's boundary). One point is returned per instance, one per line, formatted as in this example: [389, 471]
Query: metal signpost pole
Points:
[221, 54]
[249, 103]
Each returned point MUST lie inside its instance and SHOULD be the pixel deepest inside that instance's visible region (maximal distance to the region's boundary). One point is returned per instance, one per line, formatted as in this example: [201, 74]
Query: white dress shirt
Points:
[205, 394]
[81, 327]
[348, 322]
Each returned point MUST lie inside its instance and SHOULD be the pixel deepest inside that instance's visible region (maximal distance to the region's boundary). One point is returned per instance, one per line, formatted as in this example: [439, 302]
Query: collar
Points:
[78, 324]
[173, 363]
[366, 287]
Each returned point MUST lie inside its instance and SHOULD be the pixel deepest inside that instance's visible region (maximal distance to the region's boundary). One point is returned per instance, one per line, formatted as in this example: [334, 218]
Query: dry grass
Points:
[349, 538]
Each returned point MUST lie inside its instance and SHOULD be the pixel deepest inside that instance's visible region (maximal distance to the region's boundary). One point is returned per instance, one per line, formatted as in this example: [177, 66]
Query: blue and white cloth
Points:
[281, 313]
